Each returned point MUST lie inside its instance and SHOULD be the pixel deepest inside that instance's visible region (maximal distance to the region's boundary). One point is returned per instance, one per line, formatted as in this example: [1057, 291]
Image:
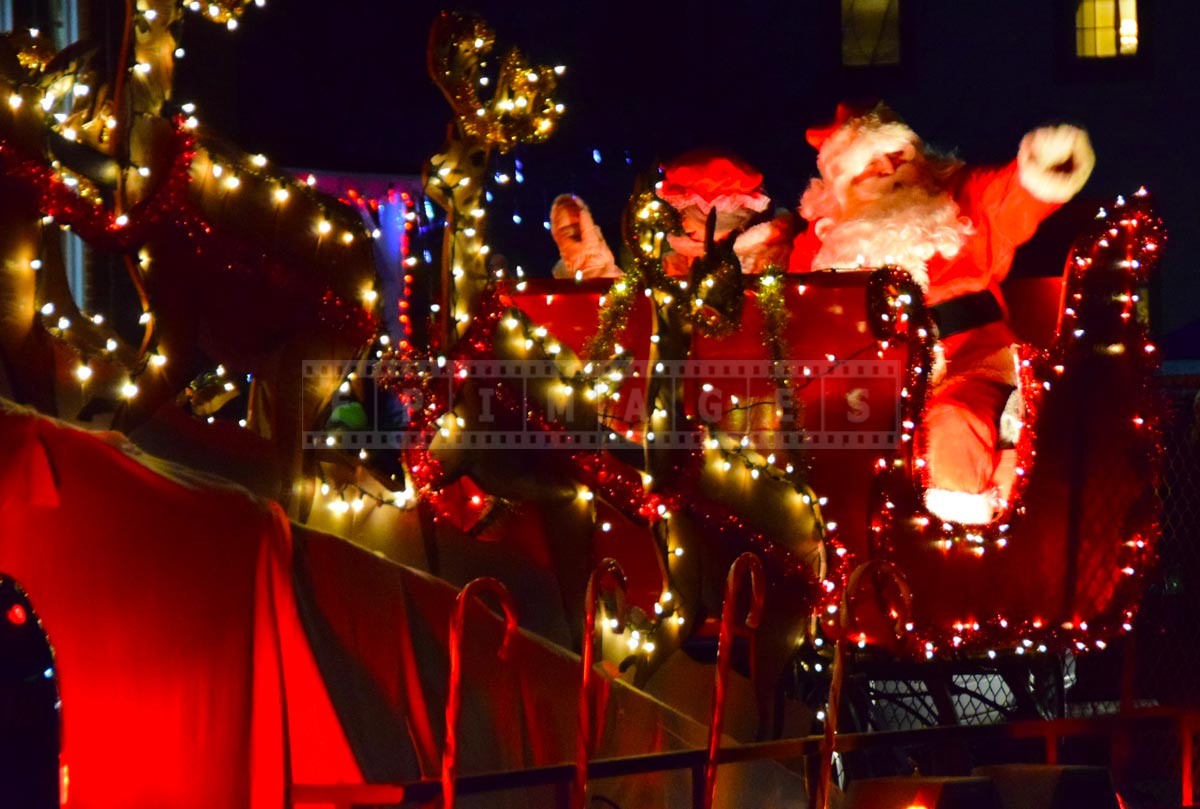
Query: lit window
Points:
[870, 32]
[1106, 28]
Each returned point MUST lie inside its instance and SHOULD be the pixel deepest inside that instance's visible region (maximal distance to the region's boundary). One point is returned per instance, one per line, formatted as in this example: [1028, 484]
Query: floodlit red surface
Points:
[185, 677]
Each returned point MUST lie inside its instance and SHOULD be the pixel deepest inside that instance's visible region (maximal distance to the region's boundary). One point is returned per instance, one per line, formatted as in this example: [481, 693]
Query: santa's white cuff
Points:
[1043, 154]
[960, 507]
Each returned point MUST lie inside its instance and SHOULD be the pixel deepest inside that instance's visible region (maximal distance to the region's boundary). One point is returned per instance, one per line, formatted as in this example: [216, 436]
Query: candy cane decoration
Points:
[750, 563]
[608, 571]
[474, 589]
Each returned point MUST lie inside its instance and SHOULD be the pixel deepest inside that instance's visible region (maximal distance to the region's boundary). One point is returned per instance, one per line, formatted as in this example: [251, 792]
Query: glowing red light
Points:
[16, 615]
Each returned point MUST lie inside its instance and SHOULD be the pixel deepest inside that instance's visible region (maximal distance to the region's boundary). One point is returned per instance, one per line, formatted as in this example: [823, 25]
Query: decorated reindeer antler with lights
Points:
[521, 109]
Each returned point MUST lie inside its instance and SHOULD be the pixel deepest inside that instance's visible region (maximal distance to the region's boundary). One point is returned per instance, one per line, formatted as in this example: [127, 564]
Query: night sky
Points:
[348, 89]
[344, 87]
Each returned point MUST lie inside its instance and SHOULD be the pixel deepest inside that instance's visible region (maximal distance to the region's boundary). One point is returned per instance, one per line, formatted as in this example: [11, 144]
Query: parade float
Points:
[730, 448]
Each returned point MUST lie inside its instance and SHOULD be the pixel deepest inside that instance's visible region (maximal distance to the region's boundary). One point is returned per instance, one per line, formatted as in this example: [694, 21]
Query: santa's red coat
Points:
[963, 408]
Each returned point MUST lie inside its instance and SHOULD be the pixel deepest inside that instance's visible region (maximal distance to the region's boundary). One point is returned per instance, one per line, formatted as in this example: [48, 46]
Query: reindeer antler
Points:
[522, 108]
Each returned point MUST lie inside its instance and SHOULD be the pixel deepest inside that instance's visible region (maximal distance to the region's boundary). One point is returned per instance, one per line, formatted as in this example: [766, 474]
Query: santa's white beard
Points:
[906, 227]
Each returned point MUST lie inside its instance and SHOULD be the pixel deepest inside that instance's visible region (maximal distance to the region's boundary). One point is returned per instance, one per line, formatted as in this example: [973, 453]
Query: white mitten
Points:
[1054, 162]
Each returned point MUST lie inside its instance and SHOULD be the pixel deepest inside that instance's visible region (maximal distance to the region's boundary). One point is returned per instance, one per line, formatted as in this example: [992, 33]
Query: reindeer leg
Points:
[682, 576]
[569, 531]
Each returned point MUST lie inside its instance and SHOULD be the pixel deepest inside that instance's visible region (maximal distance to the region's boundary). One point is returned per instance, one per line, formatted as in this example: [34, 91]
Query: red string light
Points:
[1103, 273]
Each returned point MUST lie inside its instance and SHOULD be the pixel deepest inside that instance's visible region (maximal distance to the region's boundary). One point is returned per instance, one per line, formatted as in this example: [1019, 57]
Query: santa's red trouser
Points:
[959, 433]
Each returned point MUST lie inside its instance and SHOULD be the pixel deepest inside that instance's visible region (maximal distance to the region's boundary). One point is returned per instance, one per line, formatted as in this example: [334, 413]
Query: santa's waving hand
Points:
[884, 198]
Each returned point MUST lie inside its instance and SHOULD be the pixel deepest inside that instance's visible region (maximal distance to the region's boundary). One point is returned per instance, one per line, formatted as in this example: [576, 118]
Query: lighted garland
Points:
[769, 295]
[167, 210]
[223, 12]
[370, 211]
[716, 298]
[521, 108]
[644, 226]
[772, 304]
[646, 222]
[623, 488]
[617, 484]
[437, 400]
[34, 52]
[1115, 256]
[410, 261]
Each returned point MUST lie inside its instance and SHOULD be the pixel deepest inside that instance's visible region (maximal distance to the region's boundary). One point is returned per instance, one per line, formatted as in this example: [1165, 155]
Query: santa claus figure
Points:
[884, 198]
[583, 252]
[705, 183]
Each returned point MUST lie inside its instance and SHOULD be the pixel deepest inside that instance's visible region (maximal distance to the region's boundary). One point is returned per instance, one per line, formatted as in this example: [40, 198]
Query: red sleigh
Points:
[1063, 567]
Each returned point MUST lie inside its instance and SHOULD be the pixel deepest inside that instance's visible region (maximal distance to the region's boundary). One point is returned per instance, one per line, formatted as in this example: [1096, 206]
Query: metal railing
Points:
[1184, 722]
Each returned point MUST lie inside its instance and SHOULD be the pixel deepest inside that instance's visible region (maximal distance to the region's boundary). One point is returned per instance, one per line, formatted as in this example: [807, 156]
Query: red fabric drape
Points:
[189, 679]
[183, 668]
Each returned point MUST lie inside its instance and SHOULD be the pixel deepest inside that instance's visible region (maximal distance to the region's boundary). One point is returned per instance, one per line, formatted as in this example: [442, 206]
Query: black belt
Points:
[966, 312]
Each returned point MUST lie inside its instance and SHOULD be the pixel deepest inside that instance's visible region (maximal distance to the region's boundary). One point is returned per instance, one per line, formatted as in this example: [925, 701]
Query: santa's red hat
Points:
[709, 179]
[854, 138]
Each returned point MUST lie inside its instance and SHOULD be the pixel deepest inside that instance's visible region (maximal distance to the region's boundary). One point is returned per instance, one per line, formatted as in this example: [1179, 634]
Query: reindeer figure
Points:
[521, 110]
[720, 511]
[232, 260]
